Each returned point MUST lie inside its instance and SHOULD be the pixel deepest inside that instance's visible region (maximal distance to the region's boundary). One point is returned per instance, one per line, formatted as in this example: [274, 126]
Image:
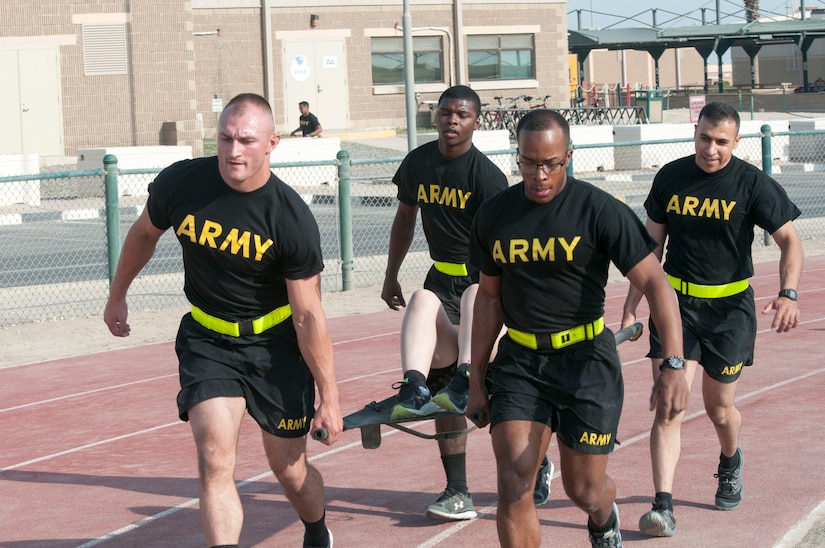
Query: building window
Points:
[388, 60]
[502, 57]
[104, 49]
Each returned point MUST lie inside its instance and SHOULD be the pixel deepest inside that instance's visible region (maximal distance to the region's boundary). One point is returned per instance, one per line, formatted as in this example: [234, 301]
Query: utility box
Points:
[652, 100]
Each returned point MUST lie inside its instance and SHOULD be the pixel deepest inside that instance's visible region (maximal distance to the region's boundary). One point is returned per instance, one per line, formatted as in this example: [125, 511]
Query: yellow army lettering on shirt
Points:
[292, 424]
[235, 241]
[732, 369]
[526, 251]
[594, 438]
[695, 207]
[446, 196]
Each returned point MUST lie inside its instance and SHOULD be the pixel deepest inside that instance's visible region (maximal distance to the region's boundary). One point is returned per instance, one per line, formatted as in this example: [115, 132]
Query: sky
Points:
[601, 14]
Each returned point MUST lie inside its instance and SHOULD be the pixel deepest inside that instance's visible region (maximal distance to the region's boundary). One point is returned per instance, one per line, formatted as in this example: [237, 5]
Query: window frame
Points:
[501, 52]
[420, 50]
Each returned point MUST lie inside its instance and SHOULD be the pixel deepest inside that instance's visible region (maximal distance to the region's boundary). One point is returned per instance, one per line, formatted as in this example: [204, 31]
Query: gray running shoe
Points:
[412, 401]
[453, 397]
[659, 522]
[729, 493]
[611, 539]
[541, 494]
[452, 505]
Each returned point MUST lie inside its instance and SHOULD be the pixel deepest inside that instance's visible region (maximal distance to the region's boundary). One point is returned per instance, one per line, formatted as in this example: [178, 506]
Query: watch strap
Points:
[789, 294]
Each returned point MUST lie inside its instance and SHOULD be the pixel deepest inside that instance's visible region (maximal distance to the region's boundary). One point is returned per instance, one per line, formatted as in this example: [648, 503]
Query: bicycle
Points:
[542, 102]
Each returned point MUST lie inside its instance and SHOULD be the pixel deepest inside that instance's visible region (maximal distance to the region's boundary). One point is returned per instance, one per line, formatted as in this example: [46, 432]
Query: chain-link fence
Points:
[60, 233]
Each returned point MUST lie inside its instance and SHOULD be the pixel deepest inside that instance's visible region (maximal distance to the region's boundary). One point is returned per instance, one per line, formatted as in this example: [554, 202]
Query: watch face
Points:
[674, 362]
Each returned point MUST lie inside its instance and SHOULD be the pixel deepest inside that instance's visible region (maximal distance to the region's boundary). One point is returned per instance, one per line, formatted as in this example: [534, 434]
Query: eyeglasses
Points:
[548, 168]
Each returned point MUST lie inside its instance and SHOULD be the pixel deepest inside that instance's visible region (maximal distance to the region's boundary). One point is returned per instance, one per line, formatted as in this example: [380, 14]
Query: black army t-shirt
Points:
[238, 247]
[448, 192]
[710, 217]
[553, 258]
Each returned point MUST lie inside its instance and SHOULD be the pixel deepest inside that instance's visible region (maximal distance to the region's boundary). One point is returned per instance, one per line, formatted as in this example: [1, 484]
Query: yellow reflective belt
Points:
[707, 291]
[451, 269]
[248, 327]
[588, 332]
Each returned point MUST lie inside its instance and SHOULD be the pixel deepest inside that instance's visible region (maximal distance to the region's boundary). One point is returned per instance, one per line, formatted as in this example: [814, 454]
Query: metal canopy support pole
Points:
[752, 51]
[656, 53]
[705, 52]
[722, 45]
[409, 77]
[805, 43]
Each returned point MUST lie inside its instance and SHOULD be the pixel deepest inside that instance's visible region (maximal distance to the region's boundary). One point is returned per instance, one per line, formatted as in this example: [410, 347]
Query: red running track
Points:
[92, 452]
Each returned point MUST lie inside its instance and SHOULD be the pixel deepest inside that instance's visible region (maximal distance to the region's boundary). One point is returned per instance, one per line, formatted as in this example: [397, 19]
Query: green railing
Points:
[61, 232]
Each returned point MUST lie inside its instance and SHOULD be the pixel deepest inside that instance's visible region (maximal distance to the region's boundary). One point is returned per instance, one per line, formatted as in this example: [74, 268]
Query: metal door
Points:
[30, 103]
[11, 138]
[316, 72]
[42, 119]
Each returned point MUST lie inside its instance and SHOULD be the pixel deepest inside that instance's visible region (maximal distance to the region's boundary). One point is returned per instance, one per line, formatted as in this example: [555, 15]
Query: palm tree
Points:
[751, 10]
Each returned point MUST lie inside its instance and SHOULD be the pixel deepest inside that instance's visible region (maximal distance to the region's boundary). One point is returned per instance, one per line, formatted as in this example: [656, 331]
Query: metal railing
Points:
[60, 233]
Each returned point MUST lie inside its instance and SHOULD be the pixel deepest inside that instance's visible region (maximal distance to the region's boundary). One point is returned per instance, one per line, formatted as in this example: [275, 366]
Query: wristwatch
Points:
[788, 294]
[674, 362]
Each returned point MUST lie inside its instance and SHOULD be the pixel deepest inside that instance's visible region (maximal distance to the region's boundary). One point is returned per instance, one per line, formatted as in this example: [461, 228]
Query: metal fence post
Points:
[112, 213]
[767, 166]
[570, 146]
[345, 219]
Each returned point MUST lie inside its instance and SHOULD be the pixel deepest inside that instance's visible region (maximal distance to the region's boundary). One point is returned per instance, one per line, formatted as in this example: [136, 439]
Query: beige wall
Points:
[116, 110]
[606, 67]
[779, 63]
[178, 62]
[221, 71]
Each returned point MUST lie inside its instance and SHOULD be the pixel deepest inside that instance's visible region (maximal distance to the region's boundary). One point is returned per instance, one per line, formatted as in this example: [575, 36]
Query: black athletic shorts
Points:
[449, 290]
[578, 391]
[266, 369]
[719, 333]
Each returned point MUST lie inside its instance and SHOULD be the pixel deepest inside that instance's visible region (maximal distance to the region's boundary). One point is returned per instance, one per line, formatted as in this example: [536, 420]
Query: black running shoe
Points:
[453, 397]
[413, 401]
[729, 493]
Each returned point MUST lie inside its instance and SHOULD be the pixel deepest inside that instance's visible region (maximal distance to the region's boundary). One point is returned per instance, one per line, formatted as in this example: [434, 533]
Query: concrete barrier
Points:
[807, 148]
[492, 140]
[780, 149]
[650, 156]
[307, 150]
[20, 192]
[140, 157]
[592, 159]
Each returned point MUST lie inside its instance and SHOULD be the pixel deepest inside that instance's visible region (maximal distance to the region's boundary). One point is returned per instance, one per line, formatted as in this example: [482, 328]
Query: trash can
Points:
[652, 101]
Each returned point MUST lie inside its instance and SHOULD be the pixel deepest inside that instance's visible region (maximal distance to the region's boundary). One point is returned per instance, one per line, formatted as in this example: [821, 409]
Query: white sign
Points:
[697, 103]
[299, 68]
[330, 61]
[217, 104]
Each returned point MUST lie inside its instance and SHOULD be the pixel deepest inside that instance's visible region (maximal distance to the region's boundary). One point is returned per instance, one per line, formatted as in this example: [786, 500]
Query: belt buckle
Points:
[570, 336]
[245, 328]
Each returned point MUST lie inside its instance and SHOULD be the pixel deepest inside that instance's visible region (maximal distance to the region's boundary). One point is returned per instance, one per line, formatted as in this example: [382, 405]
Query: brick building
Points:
[146, 72]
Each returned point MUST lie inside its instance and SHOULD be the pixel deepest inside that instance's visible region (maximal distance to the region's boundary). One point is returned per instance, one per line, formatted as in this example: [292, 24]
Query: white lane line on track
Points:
[191, 502]
[86, 393]
[434, 540]
[89, 446]
[124, 385]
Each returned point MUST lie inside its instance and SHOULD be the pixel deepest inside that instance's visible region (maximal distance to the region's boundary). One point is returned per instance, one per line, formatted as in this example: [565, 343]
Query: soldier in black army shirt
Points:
[544, 247]
[706, 205]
